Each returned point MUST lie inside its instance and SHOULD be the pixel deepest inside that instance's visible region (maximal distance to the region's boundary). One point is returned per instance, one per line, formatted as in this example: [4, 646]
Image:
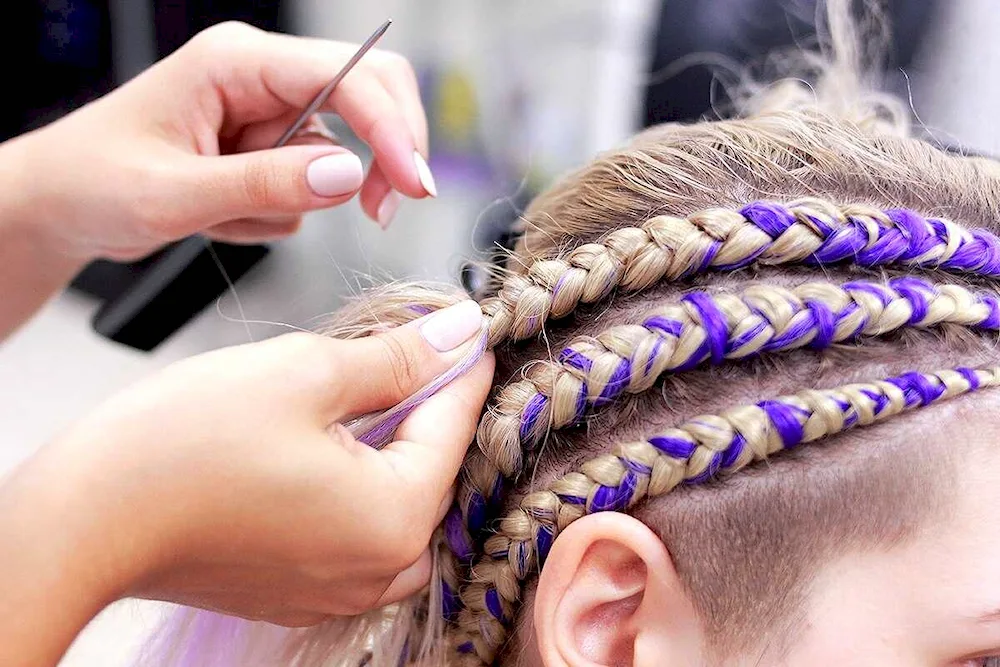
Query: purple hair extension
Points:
[377, 429]
[199, 638]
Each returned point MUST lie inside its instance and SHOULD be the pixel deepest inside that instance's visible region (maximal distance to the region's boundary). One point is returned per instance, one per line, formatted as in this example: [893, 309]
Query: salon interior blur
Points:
[516, 93]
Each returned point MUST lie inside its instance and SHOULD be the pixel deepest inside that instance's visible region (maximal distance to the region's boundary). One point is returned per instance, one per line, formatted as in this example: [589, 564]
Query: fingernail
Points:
[424, 172]
[448, 328]
[387, 209]
[335, 175]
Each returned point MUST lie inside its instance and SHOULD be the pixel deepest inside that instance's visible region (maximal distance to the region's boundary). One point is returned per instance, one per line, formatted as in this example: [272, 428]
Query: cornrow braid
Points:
[809, 231]
[693, 453]
[591, 372]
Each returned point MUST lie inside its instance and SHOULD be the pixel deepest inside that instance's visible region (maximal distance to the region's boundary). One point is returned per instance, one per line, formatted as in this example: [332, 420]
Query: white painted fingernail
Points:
[448, 328]
[424, 172]
[335, 175]
[387, 209]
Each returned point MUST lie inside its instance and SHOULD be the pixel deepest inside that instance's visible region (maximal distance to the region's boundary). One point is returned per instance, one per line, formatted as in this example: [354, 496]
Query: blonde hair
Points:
[696, 244]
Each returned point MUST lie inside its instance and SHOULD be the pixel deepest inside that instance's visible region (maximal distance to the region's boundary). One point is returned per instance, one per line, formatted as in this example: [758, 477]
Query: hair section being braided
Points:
[808, 231]
[692, 453]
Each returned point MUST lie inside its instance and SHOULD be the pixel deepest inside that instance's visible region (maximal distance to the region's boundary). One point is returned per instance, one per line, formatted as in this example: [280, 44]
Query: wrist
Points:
[59, 562]
[27, 213]
[35, 262]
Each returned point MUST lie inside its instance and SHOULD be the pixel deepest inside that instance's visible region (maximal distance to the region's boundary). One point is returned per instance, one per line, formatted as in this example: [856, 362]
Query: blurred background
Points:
[516, 92]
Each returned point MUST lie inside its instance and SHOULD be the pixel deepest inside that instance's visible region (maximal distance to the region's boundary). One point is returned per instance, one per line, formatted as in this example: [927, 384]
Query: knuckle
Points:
[402, 365]
[222, 36]
[299, 342]
[261, 183]
[303, 348]
[296, 350]
[153, 214]
[316, 361]
[406, 539]
[401, 65]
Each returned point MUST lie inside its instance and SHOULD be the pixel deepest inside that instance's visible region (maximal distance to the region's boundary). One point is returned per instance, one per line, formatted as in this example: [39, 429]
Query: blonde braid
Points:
[592, 371]
[666, 247]
[694, 452]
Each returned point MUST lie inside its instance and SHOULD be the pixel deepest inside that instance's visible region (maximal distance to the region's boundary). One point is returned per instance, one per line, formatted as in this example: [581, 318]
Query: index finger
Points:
[259, 75]
[379, 120]
[433, 440]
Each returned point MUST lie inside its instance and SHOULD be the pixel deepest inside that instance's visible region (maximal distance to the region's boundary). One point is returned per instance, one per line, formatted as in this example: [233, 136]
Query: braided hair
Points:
[495, 548]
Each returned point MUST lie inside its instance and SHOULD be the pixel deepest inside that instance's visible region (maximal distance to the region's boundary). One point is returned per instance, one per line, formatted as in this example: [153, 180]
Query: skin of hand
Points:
[228, 482]
[185, 148]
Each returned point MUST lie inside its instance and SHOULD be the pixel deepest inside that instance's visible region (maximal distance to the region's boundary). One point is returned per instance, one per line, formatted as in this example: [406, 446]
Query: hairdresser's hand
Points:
[182, 148]
[220, 483]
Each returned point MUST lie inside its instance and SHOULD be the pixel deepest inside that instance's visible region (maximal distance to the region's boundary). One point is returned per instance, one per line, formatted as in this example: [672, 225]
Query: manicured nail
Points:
[335, 175]
[448, 328]
[387, 209]
[424, 172]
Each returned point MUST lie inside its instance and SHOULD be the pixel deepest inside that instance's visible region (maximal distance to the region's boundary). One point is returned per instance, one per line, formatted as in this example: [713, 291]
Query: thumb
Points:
[379, 371]
[280, 181]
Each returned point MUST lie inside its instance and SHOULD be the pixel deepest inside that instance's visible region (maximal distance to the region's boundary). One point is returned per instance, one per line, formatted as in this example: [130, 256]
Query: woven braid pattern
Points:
[806, 231]
[693, 453]
[591, 372]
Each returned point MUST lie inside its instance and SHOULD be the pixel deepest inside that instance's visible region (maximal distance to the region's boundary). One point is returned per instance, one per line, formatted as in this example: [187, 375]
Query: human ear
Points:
[609, 595]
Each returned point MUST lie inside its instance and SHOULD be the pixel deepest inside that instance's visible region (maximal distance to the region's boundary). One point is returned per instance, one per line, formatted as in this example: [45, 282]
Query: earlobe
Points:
[609, 595]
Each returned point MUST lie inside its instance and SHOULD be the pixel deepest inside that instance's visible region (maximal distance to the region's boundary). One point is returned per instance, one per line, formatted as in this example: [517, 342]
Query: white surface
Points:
[954, 92]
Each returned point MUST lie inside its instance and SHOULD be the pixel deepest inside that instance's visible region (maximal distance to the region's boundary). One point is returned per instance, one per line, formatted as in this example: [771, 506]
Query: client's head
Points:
[659, 313]
[865, 537]
[743, 411]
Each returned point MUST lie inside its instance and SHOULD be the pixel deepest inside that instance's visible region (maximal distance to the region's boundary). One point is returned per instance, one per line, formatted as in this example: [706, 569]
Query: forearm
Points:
[32, 268]
[57, 568]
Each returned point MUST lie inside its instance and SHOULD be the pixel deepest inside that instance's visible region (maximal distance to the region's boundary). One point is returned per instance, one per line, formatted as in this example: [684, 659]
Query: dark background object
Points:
[170, 288]
[178, 20]
[58, 55]
[746, 31]
[64, 52]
